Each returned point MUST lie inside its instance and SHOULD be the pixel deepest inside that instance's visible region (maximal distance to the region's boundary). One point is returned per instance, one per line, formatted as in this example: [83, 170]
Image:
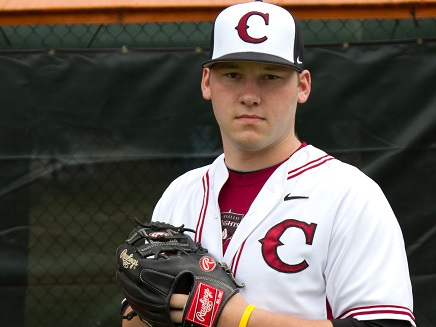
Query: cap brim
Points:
[253, 57]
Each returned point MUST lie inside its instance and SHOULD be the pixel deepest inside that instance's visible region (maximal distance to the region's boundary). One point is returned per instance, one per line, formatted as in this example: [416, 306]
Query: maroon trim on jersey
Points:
[377, 309]
[202, 215]
[312, 164]
[328, 309]
[235, 261]
[350, 322]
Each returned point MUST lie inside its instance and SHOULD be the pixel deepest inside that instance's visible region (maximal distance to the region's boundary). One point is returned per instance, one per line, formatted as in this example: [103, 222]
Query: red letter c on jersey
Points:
[242, 27]
[271, 242]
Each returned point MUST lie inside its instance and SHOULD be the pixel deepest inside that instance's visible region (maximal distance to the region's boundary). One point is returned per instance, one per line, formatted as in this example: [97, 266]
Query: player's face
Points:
[255, 103]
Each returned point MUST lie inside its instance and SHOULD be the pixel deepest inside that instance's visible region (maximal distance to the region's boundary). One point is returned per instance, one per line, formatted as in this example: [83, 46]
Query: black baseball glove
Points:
[158, 260]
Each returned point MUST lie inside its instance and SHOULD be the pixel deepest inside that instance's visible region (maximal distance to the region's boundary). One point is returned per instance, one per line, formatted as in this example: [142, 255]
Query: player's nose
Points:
[250, 93]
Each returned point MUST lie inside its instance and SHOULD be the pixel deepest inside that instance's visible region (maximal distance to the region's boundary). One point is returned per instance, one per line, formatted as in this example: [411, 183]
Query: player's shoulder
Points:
[189, 177]
[193, 178]
[330, 167]
[182, 192]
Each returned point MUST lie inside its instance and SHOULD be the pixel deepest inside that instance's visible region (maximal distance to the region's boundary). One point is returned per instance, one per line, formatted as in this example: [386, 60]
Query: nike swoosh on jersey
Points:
[293, 197]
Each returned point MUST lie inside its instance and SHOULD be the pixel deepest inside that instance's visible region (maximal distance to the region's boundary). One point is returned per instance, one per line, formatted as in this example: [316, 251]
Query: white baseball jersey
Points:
[320, 234]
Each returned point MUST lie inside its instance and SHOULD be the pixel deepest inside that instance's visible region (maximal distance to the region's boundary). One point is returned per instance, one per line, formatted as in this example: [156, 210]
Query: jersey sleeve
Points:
[349, 322]
[367, 276]
[165, 206]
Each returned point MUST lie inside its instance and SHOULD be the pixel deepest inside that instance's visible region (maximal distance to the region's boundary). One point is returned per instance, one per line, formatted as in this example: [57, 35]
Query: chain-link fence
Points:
[157, 35]
[79, 215]
[80, 209]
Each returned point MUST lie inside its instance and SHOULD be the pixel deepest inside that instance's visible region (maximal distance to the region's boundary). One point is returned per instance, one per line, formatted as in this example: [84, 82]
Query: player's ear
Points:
[304, 86]
[205, 83]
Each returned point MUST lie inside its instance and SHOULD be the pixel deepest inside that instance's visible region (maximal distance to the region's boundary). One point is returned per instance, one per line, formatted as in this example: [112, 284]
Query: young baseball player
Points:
[313, 239]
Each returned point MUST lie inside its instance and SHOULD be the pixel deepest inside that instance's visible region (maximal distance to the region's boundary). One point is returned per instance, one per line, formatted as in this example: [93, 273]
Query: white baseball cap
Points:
[256, 31]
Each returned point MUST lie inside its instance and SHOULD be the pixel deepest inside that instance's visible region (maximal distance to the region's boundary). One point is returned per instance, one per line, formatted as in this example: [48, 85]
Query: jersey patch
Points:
[229, 222]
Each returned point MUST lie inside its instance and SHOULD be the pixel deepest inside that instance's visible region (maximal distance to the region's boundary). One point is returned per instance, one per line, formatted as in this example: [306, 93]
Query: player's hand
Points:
[230, 312]
[177, 305]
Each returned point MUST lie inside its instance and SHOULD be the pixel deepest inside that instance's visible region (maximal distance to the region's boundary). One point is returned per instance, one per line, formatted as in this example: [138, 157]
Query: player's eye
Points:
[270, 77]
[232, 75]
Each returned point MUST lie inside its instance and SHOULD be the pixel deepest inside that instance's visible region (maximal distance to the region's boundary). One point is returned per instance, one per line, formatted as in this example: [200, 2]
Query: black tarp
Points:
[372, 105]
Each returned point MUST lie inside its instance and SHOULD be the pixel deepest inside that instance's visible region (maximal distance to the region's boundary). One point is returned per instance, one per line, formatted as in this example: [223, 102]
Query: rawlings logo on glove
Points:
[205, 304]
[128, 261]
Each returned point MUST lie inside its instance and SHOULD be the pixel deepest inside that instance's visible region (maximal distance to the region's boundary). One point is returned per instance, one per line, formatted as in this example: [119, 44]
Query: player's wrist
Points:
[246, 315]
[233, 312]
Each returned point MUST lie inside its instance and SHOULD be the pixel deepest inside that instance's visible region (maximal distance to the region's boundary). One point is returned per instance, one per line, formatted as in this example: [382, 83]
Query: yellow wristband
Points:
[246, 315]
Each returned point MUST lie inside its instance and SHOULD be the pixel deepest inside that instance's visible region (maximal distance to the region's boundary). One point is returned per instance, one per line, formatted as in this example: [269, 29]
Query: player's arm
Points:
[235, 308]
[233, 311]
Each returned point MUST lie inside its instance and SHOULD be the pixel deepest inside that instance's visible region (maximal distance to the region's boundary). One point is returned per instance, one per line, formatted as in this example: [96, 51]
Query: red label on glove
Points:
[204, 305]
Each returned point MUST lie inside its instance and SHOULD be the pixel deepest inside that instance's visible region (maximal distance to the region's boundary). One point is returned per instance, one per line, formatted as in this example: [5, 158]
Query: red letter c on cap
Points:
[242, 27]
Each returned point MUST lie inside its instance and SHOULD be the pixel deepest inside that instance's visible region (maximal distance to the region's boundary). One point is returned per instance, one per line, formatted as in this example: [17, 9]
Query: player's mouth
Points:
[249, 118]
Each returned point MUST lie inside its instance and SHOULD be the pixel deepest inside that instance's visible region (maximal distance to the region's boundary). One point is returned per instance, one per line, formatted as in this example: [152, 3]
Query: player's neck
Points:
[246, 161]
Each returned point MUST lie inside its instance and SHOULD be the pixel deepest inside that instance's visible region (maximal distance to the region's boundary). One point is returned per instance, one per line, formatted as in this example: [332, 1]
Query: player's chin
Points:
[251, 142]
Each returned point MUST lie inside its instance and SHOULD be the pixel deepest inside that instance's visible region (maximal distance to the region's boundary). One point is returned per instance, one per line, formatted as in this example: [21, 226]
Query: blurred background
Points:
[101, 109]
